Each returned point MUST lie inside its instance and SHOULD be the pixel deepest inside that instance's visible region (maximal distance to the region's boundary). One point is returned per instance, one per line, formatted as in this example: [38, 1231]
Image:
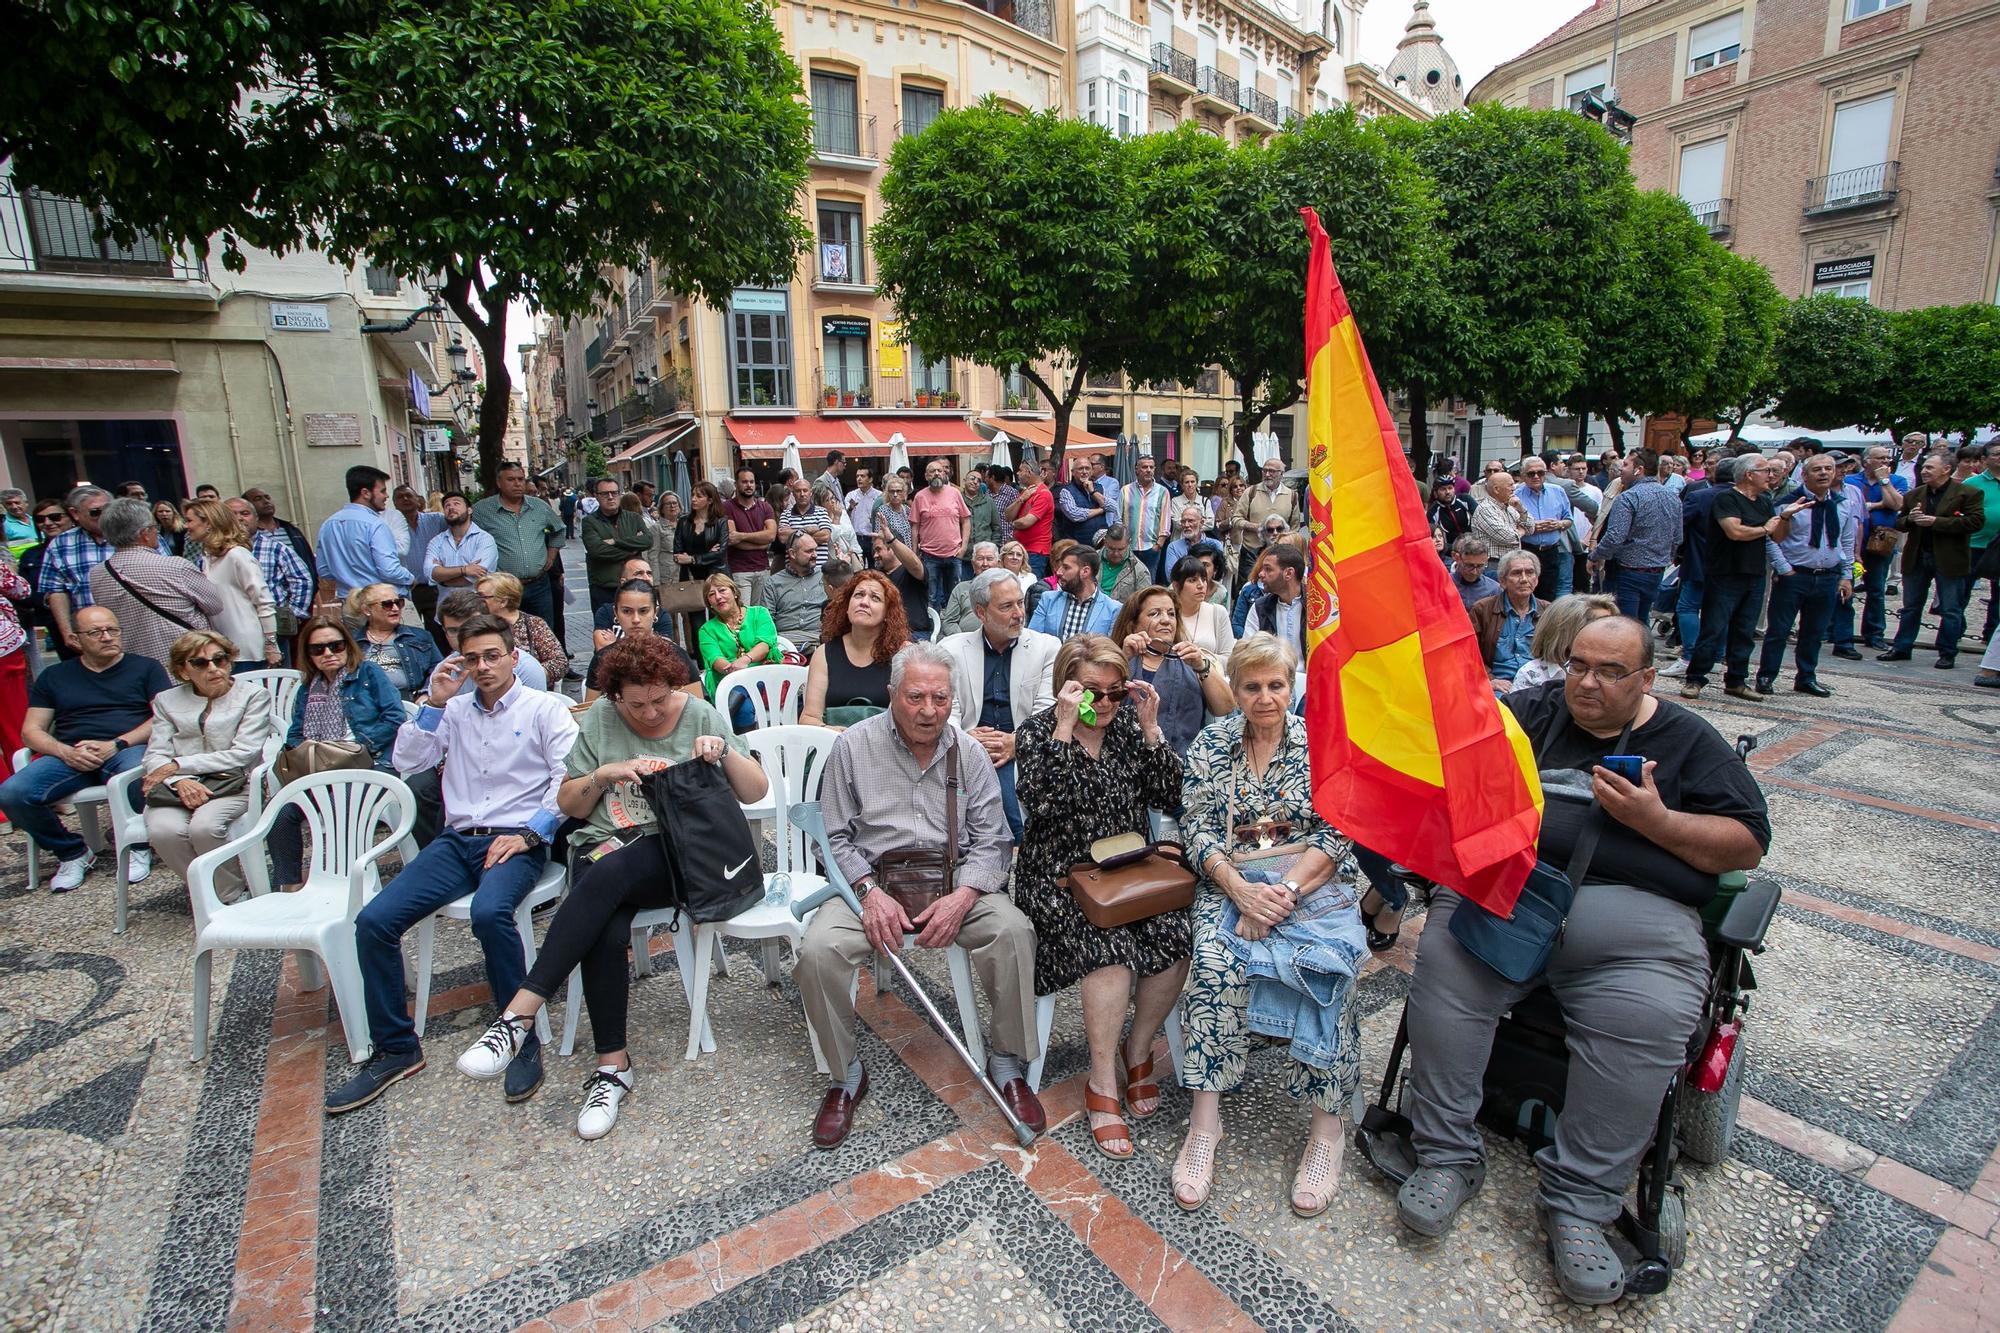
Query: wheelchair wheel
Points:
[1673, 1227]
[1707, 1126]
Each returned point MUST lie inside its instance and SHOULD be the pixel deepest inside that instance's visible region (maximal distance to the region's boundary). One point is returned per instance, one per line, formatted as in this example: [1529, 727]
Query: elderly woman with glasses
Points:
[503, 599]
[209, 733]
[404, 653]
[346, 698]
[1089, 767]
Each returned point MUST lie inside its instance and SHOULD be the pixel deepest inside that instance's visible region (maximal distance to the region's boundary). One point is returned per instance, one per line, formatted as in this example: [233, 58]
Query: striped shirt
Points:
[1145, 511]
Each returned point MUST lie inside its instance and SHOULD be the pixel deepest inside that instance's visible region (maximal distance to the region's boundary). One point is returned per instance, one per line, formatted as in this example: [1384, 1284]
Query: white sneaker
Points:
[1677, 671]
[70, 874]
[602, 1092]
[496, 1048]
[140, 864]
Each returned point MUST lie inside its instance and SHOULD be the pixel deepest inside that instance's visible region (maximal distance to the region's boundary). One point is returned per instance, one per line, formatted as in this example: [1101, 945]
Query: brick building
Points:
[1850, 145]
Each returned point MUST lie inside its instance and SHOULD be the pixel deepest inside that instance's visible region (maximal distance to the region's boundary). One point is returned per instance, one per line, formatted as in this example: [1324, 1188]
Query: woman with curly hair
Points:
[643, 723]
[864, 626]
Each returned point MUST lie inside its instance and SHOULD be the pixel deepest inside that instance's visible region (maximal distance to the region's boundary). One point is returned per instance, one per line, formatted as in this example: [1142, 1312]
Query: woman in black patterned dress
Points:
[1078, 781]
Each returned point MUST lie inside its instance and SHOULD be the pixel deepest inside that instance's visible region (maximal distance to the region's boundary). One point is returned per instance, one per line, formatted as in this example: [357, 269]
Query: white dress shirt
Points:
[504, 765]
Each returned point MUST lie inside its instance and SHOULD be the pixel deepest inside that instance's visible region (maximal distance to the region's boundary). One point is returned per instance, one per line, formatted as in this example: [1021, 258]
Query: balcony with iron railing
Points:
[1260, 106]
[1173, 70]
[1862, 187]
[843, 139]
[1216, 90]
[917, 391]
[1036, 16]
[1288, 116]
[1098, 26]
[48, 233]
[639, 293]
[593, 355]
[1714, 214]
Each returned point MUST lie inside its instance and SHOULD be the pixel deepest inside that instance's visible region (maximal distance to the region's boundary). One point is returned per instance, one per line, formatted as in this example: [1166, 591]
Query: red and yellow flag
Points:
[1411, 755]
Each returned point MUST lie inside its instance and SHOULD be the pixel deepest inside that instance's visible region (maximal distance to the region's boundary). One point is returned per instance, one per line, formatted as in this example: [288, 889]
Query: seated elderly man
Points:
[1629, 970]
[958, 617]
[1001, 674]
[885, 790]
[1505, 622]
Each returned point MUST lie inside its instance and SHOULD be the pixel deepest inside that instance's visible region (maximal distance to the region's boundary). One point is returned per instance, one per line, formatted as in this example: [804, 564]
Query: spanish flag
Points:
[1412, 756]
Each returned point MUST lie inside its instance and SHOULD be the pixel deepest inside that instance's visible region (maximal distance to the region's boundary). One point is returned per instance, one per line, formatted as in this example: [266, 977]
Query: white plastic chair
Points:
[937, 632]
[128, 826]
[785, 645]
[1045, 1021]
[776, 692]
[549, 887]
[86, 802]
[344, 811]
[283, 684]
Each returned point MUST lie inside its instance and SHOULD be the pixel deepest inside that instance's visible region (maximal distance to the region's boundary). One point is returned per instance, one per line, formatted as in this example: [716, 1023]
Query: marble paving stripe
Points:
[1809, 766]
[1883, 803]
[1950, 1133]
[1862, 909]
[1086, 1292]
[194, 1270]
[688, 1279]
[1936, 939]
[276, 1247]
[1958, 1290]
[1766, 757]
[911, 1117]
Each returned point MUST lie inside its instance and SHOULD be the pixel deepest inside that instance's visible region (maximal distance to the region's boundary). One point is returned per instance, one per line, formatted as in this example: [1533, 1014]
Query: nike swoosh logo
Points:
[732, 871]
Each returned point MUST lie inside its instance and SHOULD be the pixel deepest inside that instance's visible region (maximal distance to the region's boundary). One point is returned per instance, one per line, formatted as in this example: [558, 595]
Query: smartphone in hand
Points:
[1631, 767]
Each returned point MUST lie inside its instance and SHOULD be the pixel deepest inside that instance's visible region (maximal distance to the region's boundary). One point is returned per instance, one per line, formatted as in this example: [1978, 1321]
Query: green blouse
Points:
[716, 639]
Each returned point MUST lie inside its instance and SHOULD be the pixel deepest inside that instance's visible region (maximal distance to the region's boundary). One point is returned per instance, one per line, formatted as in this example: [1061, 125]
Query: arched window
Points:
[1332, 25]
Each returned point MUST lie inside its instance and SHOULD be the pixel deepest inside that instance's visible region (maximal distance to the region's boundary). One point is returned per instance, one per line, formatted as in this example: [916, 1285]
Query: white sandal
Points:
[1195, 1168]
[1318, 1175]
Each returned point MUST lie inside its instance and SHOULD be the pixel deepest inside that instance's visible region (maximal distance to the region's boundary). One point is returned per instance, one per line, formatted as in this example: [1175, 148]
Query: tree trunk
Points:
[1583, 431]
[1526, 422]
[483, 311]
[1420, 433]
[1611, 423]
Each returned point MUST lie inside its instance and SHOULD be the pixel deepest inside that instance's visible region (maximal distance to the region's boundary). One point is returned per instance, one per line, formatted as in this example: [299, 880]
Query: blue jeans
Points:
[30, 797]
[1635, 591]
[1039, 563]
[1008, 801]
[1875, 612]
[1809, 596]
[451, 867]
[1687, 615]
[941, 576]
[1729, 608]
[1916, 595]
[1558, 570]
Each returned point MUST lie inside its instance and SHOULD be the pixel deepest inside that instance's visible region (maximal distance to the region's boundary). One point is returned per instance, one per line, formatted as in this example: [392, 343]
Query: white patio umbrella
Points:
[792, 456]
[1002, 455]
[1265, 445]
[899, 454]
[682, 483]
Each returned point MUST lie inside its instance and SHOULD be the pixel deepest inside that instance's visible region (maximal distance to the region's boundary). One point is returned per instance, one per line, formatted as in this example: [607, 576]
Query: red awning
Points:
[1041, 433]
[923, 435]
[764, 437]
[651, 444]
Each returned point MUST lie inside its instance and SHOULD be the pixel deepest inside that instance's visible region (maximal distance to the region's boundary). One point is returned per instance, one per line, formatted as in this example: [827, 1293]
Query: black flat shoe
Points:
[1812, 687]
[1849, 654]
[1892, 656]
[1945, 663]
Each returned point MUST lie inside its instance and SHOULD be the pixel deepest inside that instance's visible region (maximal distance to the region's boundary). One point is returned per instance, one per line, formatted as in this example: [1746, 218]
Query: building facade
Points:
[656, 379]
[1850, 145]
[142, 364]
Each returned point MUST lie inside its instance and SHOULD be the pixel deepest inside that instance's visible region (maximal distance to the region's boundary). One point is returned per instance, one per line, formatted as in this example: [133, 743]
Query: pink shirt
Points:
[936, 515]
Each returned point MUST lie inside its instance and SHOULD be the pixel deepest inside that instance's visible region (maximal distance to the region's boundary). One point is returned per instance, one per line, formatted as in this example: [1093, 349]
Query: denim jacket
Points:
[1302, 973]
[374, 711]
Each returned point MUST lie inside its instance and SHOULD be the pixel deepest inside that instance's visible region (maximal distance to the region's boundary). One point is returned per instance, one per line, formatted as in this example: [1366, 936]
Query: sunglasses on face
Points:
[388, 602]
[327, 646]
[215, 660]
[1116, 694]
[98, 512]
[48, 518]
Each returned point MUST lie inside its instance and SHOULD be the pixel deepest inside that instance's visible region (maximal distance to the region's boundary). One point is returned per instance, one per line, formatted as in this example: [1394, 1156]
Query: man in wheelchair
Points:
[1629, 970]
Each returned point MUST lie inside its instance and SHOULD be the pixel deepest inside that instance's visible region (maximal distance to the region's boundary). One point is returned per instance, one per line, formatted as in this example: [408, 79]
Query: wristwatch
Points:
[1293, 885]
[120, 744]
[531, 838]
[864, 886]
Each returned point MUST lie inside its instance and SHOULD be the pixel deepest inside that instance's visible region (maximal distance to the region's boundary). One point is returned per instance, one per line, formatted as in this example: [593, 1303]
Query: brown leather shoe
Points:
[836, 1114]
[1025, 1105]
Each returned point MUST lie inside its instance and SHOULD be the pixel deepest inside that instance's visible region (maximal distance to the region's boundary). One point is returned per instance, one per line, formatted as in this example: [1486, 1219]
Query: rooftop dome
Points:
[1426, 70]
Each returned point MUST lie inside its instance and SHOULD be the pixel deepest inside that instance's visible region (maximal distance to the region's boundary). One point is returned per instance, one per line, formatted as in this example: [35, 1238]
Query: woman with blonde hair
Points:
[173, 532]
[502, 592]
[405, 654]
[893, 511]
[1014, 559]
[1555, 634]
[209, 734]
[220, 548]
[733, 638]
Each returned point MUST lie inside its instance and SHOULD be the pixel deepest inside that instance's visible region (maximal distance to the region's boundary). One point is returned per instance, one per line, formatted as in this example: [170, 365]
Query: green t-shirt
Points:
[603, 738]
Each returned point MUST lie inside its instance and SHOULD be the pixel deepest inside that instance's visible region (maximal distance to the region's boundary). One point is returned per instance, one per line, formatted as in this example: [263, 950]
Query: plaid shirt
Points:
[284, 573]
[66, 568]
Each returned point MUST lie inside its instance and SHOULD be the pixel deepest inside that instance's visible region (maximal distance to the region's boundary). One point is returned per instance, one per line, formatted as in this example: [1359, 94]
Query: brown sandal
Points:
[1139, 1083]
[1097, 1103]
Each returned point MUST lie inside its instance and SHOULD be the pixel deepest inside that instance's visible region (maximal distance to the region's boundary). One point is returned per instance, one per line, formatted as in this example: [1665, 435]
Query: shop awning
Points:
[653, 444]
[764, 437]
[922, 435]
[1041, 433]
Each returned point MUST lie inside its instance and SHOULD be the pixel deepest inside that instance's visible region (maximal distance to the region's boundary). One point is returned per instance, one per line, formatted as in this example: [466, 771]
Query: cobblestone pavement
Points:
[150, 1192]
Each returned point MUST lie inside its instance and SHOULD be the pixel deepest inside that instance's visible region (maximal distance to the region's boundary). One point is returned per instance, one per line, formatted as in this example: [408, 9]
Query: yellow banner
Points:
[892, 349]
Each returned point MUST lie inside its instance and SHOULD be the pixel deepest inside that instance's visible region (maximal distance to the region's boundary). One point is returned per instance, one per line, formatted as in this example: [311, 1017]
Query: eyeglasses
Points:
[326, 646]
[1606, 675]
[94, 513]
[1116, 694]
[109, 633]
[388, 602]
[48, 518]
[214, 660]
[491, 658]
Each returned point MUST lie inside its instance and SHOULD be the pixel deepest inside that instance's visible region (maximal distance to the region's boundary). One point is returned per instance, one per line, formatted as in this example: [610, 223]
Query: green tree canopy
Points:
[1944, 370]
[1738, 381]
[1831, 363]
[500, 149]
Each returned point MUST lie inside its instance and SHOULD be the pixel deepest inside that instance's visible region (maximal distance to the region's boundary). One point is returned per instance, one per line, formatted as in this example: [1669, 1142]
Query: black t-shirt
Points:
[1698, 773]
[916, 600]
[1726, 555]
[98, 705]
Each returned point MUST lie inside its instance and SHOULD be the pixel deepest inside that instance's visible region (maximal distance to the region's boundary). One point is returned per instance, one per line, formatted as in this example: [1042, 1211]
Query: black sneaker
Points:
[1763, 685]
[524, 1071]
[373, 1079]
[1849, 654]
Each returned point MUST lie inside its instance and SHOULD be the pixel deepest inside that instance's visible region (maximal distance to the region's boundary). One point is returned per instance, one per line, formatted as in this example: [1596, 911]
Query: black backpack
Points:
[714, 867]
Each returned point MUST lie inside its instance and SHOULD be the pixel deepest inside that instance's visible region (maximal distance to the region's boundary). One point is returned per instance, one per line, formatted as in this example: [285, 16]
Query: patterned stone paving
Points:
[148, 1192]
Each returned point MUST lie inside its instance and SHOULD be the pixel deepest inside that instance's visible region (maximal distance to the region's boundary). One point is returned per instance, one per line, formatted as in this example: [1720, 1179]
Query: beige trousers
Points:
[1000, 940]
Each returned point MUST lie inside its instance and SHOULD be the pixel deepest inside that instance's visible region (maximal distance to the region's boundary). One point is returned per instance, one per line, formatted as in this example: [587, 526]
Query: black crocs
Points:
[1430, 1199]
[1588, 1270]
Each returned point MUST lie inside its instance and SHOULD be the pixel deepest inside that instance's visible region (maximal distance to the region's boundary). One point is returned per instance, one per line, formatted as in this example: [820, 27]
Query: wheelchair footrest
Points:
[1383, 1137]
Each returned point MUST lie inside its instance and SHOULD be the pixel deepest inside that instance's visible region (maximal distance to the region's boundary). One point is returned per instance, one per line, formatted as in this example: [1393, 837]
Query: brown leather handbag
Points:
[916, 877]
[1128, 879]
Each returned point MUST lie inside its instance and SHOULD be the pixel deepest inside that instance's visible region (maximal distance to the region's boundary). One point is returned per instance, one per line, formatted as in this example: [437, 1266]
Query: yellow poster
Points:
[892, 349]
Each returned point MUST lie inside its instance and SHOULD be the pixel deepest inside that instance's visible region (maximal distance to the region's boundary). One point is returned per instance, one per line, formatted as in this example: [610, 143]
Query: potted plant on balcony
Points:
[832, 396]
[951, 398]
[847, 399]
[1013, 402]
[923, 398]
[865, 398]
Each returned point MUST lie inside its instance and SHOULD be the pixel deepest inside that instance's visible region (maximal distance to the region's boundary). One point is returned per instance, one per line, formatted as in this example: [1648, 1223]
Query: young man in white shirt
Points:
[503, 747]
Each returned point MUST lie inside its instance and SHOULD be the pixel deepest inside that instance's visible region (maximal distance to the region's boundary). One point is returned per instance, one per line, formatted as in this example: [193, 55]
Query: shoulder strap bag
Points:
[1518, 946]
[916, 877]
[146, 601]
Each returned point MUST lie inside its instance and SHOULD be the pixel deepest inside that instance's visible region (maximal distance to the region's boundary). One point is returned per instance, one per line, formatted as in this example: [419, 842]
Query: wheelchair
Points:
[1528, 1069]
